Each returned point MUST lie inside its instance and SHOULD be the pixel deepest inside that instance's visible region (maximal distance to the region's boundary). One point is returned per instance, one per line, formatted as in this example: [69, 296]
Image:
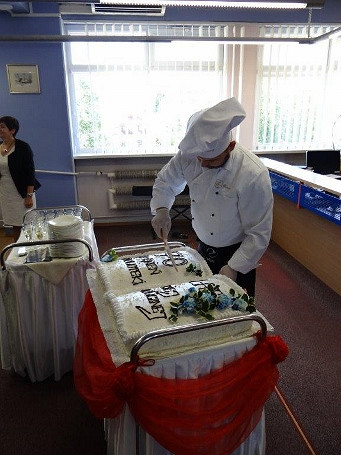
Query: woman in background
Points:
[17, 176]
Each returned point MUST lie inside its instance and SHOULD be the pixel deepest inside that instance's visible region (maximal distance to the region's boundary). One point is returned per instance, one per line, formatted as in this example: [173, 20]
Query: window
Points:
[134, 98]
[297, 89]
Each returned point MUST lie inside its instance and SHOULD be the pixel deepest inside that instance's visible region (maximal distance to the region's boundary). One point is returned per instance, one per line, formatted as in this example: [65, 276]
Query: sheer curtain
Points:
[134, 98]
[298, 89]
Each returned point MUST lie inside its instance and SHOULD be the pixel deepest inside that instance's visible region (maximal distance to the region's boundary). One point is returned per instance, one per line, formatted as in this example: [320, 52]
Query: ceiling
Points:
[230, 14]
[329, 14]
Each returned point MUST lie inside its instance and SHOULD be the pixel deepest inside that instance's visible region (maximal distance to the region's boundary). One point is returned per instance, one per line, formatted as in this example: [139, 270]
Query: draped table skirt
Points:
[39, 319]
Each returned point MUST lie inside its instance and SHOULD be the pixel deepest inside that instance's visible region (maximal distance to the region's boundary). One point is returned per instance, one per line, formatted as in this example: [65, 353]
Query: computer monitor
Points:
[323, 161]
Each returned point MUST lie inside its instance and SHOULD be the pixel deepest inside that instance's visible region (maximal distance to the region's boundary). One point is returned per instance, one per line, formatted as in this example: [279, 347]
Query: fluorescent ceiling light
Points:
[212, 3]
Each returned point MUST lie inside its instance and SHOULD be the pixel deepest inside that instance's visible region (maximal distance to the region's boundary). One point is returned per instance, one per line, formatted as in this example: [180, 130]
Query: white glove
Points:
[162, 223]
[230, 273]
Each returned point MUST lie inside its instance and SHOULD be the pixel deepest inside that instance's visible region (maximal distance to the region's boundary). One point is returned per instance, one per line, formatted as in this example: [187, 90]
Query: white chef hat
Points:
[209, 131]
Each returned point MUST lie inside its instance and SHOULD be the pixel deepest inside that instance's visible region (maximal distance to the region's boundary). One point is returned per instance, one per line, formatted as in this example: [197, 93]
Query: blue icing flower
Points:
[189, 301]
[106, 258]
[207, 297]
[189, 305]
[224, 301]
[192, 290]
[239, 304]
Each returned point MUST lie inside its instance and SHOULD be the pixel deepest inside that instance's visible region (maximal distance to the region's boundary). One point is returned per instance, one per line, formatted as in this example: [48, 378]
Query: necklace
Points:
[5, 150]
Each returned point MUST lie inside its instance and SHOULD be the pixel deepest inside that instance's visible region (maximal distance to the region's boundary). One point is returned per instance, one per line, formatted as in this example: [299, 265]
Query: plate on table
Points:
[64, 221]
[66, 227]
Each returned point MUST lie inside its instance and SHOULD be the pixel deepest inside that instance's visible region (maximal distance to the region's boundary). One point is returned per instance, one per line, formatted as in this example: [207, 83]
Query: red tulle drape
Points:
[213, 414]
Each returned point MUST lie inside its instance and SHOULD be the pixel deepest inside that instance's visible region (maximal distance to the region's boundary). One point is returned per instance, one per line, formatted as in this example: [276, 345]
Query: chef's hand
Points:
[162, 223]
[230, 273]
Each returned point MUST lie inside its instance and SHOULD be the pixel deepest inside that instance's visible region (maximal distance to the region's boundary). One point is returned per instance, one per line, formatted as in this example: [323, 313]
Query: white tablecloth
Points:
[121, 432]
[39, 319]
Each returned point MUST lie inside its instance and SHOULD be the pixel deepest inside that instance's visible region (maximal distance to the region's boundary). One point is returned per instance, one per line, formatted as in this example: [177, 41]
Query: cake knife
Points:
[169, 252]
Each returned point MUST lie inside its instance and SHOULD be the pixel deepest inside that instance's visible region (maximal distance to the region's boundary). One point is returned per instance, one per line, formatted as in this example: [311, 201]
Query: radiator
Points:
[121, 191]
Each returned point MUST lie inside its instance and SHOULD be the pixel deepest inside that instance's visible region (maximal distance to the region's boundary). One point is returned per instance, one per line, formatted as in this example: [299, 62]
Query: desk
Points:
[309, 234]
[39, 319]
[307, 177]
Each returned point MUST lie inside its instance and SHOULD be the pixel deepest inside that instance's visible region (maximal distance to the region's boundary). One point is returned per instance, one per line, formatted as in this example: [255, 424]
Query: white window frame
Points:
[316, 79]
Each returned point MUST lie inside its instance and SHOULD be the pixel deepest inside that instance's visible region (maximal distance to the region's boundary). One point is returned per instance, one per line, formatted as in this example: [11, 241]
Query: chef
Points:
[230, 192]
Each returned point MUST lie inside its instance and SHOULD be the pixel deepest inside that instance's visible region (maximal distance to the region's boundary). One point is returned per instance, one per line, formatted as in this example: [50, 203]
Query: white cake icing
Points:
[149, 270]
[141, 312]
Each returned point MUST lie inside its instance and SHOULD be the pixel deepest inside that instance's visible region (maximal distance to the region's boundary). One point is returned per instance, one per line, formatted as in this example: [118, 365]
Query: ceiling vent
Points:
[15, 7]
[129, 10]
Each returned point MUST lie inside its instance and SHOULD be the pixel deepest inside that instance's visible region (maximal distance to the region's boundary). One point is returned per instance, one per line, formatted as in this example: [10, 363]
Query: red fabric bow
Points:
[212, 414]
[277, 346]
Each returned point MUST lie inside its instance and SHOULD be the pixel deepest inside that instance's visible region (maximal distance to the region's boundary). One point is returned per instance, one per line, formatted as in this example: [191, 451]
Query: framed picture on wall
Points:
[23, 78]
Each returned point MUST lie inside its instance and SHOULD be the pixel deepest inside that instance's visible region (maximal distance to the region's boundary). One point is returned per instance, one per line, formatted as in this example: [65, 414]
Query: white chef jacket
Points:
[229, 205]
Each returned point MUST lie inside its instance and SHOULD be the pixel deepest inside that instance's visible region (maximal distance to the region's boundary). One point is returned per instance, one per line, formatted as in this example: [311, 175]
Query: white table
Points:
[39, 307]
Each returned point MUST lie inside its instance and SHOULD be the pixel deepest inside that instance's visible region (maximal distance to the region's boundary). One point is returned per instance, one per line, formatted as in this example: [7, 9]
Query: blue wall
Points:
[43, 117]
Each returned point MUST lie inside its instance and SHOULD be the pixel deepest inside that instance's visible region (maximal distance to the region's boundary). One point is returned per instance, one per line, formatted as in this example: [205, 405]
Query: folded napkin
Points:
[53, 271]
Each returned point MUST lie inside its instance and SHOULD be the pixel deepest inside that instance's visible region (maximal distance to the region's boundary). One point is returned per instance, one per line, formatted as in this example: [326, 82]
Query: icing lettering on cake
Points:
[157, 310]
[151, 265]
[133, 272]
